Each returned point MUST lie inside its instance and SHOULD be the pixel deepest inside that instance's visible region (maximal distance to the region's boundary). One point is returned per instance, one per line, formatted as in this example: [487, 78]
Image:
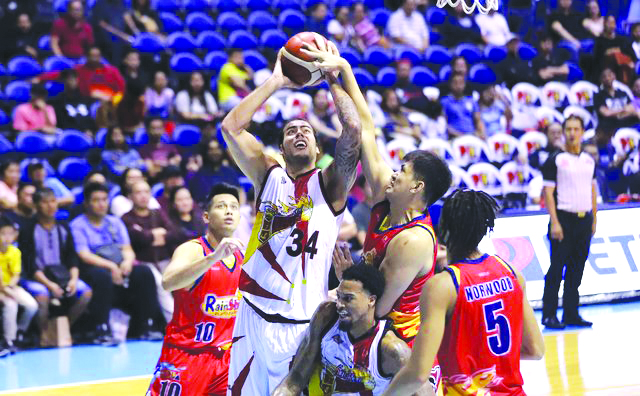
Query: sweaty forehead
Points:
[224, 198]
[350, 287]
[297, 124]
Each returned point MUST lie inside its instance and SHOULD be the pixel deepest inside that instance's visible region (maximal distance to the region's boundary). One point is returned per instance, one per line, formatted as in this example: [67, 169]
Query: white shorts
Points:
[261, 354]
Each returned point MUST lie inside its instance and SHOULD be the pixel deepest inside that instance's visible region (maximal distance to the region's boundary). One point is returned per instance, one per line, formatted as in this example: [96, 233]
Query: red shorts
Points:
[189, 373]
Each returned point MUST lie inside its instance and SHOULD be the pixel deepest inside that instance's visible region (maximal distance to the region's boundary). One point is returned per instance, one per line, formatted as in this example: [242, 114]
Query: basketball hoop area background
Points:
[483, 9]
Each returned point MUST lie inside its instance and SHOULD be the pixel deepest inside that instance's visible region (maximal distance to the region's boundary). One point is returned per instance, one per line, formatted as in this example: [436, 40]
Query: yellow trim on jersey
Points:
[254, 244]
[428, 228]
[314, 382]
[507, 266]
[407, 324]
[456, 273]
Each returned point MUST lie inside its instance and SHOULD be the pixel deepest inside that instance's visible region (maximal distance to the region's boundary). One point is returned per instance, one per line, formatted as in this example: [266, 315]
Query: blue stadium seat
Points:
[575, 73]
[44, 43]
[495, 54]
[351, 55]
[284, 5]
[243, 40]
[406, 52]
[255, 60]
[186, 135]
[342, 3]
[380, 17]
[73, 170]
[73, 141]
[3, 71]
[32, 143]
[4, 119]
[170, 22]
[438, 55]
[436, 16]
[60, 6]
[377, 56]
[527, 51]
[157, 190]
[211, 41]
[567, 46]
[5, 145]
[423, 77]
[199, 22]
[273, 39]
[262, 20]
[18, 91]
[470, 52]
[292, 20]
[172, 6]
[434, 37]
[258, 5]
[78, 193]
[229, 5]
[185, 63]
[386, 77]
[444, 73]
[231, 21]
[101, 137]
[54, 88]
[364, 78]
[148, 43]
[482, 74]
[215, 60]
[196, 5]
[181, 42]
[55, 63]
[23, 67]
[24, 167]
[374, 4]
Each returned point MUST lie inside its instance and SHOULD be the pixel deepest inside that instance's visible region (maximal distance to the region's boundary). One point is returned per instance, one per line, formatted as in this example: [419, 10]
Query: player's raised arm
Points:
[247, 152]
[532, 347]
[308, 353]
[436, 302]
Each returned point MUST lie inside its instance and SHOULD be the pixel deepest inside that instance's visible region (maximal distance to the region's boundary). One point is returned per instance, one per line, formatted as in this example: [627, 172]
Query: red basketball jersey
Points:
[480, 352]
[406, 311]
[204, 315]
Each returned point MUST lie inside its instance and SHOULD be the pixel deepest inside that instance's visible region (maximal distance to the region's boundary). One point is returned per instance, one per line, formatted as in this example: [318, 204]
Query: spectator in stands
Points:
[513, 69]
[340, 29]
[366, 33]
[71, 35]
[410, 95]
[555, 142]
[73, 110]
[407, 26]
[152, 239]
[24, 210]
[635, 89]
[520, 15]
[157, 154]
[196, 103]
[107, 265]
[614, 108]
[460, 27]
[462, 113]
[36, 115]
[550, 64]
[566, 24]
[9, 14]
[185, 214]
[215, 169]
[158, 98]
[492, 107]
[493, 28]
[38, 176]
[131, 70]
[131, 110]
[397, 121]
[635, 45]
[95, 79]
[109, 24]
[26, 39]
[122, 203]
[615, 52]
[51, 246]
[12, 296]
[9, 179]
[117, 154]
[233, 80]
[460, 66]
[142, 18]
[317, 21]
[170, 178]
[594, 22]
[324, 120]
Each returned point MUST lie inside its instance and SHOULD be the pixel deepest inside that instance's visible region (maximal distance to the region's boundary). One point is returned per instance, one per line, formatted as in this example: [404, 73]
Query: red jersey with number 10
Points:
[406, 310]
[204, 315]
[480, 352]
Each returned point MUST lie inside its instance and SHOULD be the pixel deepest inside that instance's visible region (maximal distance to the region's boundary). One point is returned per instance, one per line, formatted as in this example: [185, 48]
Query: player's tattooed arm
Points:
[308, 353]
[395, 355]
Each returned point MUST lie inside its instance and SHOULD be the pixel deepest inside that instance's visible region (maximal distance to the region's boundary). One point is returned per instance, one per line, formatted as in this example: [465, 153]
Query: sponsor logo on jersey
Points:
[281, 216]
[167, 371]
[477, 384]
[368, 256]
[222, 307]
[345, 377]
[488, 289]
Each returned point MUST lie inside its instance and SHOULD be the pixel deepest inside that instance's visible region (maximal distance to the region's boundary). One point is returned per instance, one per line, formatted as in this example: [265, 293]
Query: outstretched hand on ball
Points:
[327, 57]
[277, 74]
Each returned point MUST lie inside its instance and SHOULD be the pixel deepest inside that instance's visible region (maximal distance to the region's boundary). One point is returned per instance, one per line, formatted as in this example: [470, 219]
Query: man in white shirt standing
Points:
[494, 28]
[407, 26]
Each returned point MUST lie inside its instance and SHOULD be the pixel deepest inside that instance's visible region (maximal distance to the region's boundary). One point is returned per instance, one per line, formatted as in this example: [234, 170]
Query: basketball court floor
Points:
[600, 361]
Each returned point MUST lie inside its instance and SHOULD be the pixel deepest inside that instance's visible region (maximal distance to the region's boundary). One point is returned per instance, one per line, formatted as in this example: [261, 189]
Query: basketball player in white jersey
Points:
[358, 354]
[299, 211]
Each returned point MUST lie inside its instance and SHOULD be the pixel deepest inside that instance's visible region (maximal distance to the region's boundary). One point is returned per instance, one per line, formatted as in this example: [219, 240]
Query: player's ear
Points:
[205, 216]
[372, 300]
[418, 186]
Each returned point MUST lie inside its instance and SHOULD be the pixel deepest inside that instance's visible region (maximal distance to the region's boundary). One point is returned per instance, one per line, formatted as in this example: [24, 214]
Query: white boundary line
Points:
[74, 384]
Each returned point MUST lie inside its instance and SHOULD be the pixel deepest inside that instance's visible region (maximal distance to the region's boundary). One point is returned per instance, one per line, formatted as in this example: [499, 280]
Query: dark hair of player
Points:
[371, 278]
[221, 188]
[433, 171]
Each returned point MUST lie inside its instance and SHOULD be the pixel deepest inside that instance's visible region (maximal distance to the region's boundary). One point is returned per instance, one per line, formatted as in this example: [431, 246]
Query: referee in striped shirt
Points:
[570, 195]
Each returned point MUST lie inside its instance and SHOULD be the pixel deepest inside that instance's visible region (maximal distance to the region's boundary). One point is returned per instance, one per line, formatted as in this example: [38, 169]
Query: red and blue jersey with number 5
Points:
[204, 315]
[480, 351]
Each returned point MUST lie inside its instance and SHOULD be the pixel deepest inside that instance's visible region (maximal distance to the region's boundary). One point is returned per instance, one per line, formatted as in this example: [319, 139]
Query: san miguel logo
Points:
[222, 307]
[281, 216]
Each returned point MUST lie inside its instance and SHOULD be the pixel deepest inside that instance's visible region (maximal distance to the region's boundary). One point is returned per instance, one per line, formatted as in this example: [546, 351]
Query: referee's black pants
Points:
[568, 256]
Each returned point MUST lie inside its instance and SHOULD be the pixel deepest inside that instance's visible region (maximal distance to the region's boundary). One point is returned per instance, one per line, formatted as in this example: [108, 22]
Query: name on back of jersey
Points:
[222, 307]
[488, 289]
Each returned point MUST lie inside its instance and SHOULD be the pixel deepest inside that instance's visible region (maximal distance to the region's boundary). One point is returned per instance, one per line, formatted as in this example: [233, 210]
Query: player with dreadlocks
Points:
[475, 314]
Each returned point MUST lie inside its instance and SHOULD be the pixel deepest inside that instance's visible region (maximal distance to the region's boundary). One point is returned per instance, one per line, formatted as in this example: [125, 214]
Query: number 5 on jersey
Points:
[497, 327]
[295, 249]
